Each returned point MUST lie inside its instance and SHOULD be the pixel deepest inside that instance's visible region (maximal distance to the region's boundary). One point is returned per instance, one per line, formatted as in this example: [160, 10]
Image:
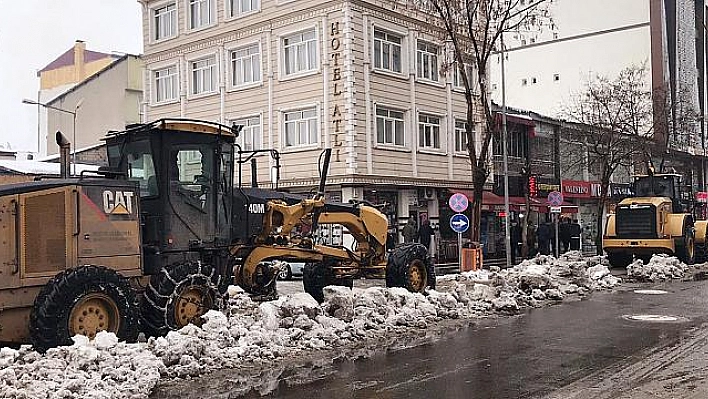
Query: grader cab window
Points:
[192, 173]
[141, 168]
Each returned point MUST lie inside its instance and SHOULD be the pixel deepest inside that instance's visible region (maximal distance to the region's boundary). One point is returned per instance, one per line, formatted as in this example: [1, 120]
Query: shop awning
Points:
[490, 201]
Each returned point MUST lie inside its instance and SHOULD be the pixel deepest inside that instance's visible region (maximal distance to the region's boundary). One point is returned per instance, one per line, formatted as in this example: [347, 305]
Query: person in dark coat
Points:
[425, 233]
[515, 240]
[390, 241]
[409, 232]
[575, 231]
[564, 234]
[543, 235]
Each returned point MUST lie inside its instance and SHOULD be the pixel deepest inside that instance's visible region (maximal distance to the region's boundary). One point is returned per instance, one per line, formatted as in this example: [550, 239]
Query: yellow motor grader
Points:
[655, 220]
[153, 241]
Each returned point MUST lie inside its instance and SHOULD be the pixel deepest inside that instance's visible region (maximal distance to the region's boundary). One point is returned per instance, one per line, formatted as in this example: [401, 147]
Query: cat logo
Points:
[118, 202]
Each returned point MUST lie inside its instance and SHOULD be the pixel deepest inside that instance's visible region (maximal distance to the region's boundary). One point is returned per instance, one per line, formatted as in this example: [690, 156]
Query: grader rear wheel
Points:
[83, 301]
[179, 295]
[191, 305]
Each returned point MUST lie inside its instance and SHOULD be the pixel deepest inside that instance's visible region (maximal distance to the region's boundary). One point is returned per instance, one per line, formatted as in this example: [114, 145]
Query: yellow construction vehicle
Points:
[655, 220]
[152, 242]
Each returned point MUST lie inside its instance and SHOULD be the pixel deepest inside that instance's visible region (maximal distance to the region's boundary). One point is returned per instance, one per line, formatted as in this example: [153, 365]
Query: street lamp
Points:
[73, 115]
[506, 160]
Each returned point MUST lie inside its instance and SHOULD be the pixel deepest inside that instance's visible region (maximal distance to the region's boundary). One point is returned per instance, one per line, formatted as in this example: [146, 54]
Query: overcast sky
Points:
[35, 32]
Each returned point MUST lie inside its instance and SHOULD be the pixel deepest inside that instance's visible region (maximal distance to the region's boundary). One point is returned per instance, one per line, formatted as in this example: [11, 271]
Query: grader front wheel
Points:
[316, 276]
[409, 266]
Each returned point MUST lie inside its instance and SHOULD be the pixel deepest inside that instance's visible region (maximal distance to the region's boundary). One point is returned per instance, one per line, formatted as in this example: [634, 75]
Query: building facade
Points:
[69, 69]
[109, 99]
[361, 77]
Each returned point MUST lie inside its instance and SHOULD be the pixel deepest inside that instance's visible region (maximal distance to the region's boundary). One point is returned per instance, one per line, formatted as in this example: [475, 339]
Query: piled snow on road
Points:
[252, 333]
[660, 267]
[102, 368]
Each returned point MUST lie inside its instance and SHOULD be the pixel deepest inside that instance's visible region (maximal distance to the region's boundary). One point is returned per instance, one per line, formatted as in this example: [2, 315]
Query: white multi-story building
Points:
[359, 77]
[548, 64]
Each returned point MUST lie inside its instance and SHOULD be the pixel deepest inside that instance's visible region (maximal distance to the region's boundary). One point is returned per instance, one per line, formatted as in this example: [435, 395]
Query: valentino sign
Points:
[580, 189]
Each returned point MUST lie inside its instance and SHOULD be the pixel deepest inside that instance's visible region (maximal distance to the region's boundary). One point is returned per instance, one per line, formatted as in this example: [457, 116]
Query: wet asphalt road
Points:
[527, 356]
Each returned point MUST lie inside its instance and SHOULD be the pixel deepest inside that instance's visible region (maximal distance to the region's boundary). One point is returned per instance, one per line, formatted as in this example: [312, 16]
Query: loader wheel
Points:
[179, 295]
[316, 276]
[619, 259]
[686, 249]
[410, 266]
[83, 301]
[701, 252]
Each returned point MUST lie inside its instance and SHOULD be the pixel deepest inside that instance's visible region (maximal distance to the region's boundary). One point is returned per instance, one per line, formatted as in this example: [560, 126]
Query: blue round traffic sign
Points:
[555, 198]
[459, 223]
[458, 202]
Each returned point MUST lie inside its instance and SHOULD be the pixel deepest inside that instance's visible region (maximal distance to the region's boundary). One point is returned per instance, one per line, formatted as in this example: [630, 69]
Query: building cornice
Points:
[375, 181]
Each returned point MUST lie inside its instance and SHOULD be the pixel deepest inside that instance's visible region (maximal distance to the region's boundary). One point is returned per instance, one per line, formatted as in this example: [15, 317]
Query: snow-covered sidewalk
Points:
[248, 333]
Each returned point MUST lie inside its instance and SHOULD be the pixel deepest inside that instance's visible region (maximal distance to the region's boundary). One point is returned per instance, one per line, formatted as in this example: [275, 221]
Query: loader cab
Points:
[185, 173]
[661, 185]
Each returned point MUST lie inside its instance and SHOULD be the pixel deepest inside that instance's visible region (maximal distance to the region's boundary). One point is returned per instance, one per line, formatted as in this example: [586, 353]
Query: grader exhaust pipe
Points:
[64, 150]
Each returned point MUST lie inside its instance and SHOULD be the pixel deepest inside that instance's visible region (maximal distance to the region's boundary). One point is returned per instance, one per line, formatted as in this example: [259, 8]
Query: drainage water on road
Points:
[651, 292]
[654, 318]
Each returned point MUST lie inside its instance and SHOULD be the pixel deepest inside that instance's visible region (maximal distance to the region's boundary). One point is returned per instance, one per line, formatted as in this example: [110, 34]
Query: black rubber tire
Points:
[49, 318]
[162, 295]
[400, 263]
[316, 276]
[701, 253]
[619, 259]
[685, 249]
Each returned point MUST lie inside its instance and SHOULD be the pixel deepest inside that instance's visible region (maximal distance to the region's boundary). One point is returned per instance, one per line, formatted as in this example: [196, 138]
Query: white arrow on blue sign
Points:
[459, 223]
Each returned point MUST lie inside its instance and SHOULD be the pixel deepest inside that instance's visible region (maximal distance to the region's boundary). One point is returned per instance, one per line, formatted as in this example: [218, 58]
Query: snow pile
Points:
[259, 333]
[660, 267]
[102, 368]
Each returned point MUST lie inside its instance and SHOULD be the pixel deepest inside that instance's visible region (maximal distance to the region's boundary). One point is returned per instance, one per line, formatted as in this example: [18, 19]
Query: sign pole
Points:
[459, 223]
[557, 251]
[459, 249]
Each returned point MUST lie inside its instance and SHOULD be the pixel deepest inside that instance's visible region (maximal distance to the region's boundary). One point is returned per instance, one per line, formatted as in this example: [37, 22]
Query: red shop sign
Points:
[576, 189]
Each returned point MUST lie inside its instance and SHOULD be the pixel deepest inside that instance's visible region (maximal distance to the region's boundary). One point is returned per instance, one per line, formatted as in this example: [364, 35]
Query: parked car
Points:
[290, 269]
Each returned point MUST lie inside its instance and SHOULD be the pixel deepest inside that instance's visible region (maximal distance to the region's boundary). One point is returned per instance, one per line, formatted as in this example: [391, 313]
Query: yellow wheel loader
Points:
[656, 220]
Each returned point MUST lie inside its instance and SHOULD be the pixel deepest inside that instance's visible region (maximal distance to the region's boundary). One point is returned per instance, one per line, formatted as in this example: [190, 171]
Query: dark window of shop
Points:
[517, 142]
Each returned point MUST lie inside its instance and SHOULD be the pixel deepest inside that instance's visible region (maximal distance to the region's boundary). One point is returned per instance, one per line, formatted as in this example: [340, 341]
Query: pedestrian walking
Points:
[425, 233]
[543, 234]
[515, 241]
[564, 234]
[575, 231]
[531, 240]
[409, 232]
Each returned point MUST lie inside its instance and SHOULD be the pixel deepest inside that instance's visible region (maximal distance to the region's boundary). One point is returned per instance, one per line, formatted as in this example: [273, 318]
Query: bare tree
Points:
[618, 123]
[474, 29]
